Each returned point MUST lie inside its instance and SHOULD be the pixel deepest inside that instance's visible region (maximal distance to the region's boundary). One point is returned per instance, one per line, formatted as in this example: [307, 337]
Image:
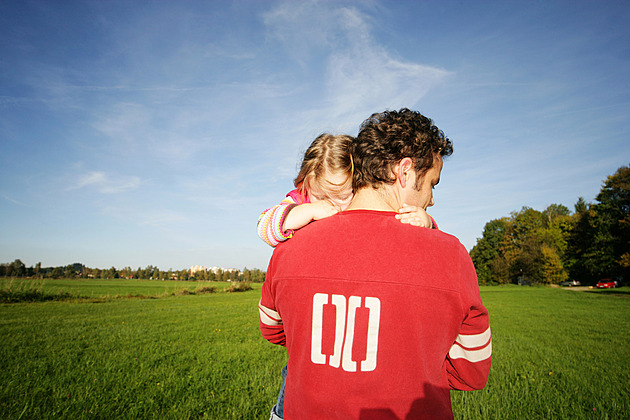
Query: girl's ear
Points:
[402, 171]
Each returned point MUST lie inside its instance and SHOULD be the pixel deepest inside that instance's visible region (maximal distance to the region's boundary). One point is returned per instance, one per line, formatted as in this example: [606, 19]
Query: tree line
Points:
[554, 245]
[77, 270]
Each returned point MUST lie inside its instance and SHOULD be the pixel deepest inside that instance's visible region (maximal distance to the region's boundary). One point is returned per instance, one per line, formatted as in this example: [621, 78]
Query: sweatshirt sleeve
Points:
[469, 359]
[271, 326]
[270, 222]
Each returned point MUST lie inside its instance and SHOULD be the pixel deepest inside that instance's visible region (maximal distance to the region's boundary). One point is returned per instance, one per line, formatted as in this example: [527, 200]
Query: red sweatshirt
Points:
[380, 319]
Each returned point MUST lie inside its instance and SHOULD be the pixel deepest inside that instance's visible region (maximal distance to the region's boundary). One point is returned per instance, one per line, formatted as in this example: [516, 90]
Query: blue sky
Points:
[136, 133]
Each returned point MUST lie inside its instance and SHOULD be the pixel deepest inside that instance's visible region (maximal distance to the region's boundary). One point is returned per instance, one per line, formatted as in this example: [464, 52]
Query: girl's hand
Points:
[415, 216]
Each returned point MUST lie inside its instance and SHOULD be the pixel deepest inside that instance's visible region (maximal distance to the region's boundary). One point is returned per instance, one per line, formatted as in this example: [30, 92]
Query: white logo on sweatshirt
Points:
[344, 331]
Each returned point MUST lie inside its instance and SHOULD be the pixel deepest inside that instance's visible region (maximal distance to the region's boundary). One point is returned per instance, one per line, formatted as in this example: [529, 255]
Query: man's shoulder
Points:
[369, 224]
[420, 233]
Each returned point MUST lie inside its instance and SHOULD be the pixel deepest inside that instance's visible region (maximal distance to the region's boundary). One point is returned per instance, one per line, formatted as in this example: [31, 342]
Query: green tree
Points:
[555, 212]
[599, 240]
[126, 272]
[57, 273]
[529, 243]
[487, 254]
[17, 269]
[524, 223]
[528, 260]
[111, 273]
[201, 275]
[579, 240]
[522, 244]
[553, 271]
[258, 275]
[614, 208]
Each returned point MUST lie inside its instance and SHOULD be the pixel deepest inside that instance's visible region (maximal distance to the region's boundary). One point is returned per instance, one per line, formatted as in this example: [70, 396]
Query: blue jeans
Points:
[278, 409]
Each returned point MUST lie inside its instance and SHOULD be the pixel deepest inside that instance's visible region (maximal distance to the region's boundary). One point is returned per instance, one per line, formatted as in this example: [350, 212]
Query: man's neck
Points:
[381, 199]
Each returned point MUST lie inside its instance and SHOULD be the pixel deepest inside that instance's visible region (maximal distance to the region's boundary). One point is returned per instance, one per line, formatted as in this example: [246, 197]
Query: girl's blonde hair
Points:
[327, 153]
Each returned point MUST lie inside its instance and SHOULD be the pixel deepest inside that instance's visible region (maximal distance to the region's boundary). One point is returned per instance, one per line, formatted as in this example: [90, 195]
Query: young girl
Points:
[323, 188]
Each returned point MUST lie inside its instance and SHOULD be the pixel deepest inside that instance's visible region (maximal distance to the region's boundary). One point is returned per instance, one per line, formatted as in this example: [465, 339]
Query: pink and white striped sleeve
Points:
[271, 220]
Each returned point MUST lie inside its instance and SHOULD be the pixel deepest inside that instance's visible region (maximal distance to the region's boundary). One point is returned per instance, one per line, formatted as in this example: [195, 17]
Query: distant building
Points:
[196, 268]
[215, 270]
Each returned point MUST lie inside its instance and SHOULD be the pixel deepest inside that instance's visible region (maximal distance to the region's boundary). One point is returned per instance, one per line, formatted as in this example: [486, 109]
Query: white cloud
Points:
[145, 131]
[302, 27]
[106, 184]
[370, 80]
[359, 75]
[11, 200]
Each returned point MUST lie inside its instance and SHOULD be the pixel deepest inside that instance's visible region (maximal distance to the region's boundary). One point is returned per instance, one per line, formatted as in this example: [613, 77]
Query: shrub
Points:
[205, 289]
[241, 286]
[17, 296]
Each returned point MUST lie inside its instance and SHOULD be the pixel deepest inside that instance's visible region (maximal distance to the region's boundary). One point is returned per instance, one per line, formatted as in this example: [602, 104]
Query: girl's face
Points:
[337, 189]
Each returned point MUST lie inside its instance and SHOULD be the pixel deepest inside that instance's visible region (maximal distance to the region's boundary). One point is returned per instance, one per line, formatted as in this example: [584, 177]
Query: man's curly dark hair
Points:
[387, 137]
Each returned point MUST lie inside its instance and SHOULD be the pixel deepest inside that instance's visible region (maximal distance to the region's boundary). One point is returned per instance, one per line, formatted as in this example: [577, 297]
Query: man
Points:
[380, 319]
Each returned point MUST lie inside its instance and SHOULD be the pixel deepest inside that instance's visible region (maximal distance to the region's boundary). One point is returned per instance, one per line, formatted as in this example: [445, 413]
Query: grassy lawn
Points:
[557, 354]
[173, 357]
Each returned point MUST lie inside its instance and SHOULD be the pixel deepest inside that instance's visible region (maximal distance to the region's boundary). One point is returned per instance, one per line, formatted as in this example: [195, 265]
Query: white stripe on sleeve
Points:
[472, 347]
[473, 356]
[269, 316]
[474, 340]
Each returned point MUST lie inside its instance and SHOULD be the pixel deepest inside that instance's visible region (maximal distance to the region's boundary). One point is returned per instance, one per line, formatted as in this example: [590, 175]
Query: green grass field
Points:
[557, 354]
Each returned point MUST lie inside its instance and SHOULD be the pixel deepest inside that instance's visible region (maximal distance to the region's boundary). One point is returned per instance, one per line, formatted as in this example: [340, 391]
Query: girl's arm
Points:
[278, 223]
[303, 214]
[271, 222]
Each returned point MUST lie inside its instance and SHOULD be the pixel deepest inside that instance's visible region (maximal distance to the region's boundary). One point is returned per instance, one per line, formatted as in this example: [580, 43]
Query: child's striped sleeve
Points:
[271, 220]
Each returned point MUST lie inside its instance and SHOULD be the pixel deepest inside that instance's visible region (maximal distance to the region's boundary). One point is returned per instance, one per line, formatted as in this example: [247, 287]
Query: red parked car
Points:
[606, 284]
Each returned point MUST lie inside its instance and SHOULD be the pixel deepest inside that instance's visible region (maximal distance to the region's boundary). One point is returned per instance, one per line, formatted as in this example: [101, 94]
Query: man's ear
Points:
[402, 171]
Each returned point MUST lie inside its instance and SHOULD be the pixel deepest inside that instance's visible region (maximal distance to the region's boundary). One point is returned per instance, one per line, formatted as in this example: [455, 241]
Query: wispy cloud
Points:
[11, 200]
[106, 184]
[360, 76]
[153, 132]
